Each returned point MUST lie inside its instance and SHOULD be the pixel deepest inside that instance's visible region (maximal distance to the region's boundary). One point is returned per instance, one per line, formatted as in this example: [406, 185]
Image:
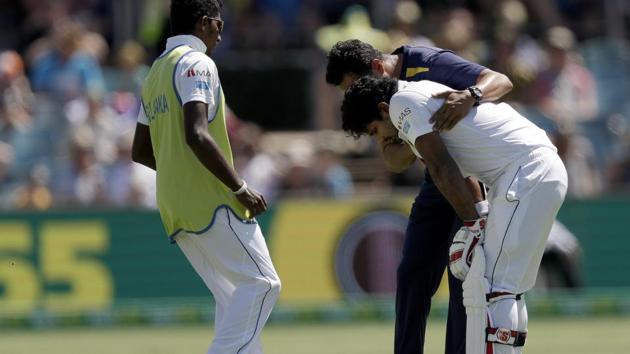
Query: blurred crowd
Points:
[71, 72]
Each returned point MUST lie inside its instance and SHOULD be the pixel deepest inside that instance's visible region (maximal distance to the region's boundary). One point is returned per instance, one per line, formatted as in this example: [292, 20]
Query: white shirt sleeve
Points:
[197, 79]
[410, 114]
[142, 116]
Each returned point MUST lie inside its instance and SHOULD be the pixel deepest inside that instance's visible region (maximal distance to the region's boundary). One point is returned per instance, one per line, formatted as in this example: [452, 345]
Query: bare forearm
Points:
[449, 181]
[210, 156]
[494, 85]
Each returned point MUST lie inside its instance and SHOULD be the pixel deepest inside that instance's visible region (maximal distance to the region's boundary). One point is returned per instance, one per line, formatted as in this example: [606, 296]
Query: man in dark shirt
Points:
[432, 222]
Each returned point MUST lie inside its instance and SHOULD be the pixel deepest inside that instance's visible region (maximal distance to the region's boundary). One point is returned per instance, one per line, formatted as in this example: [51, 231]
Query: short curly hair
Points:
[186, 13]
[360, 103]
[351, 56]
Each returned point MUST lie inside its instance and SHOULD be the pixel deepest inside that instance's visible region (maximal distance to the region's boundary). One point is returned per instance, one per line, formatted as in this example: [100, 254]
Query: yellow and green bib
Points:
[187, 193]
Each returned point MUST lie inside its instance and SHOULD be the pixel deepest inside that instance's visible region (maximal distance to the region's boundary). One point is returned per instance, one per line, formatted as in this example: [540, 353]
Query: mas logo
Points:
[406, 127]
[405, 112]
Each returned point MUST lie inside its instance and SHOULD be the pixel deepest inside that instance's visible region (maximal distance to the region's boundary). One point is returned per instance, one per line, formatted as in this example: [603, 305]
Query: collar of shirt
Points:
[402, 84]
[185, 39]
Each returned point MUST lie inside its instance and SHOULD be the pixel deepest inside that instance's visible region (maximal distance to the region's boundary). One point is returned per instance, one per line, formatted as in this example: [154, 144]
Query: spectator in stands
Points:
[87, 176]
[34, 194]
[131, 63]
[458, 33]
[256, 166]
[6, 180]
[566, 93]
[125, 180]
[334, 179]
[104, 124]
[513, 51]
[355, 23]
[63, 69]
[17, 105]
[565, 90]
[94, 45]
[16, 97]
[299, 179]
[404, 31]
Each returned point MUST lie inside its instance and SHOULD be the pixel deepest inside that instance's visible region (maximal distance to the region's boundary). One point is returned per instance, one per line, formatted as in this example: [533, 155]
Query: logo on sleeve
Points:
[202, 85]
[200, 73]
[405, 112]
[406, 127]
[410, 72]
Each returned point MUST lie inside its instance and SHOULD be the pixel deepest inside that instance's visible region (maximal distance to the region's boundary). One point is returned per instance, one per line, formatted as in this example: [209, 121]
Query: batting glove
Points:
[463, 246]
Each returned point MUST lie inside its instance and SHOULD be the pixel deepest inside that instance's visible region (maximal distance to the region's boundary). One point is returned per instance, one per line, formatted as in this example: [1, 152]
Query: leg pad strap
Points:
[505, 336]
[498, 295]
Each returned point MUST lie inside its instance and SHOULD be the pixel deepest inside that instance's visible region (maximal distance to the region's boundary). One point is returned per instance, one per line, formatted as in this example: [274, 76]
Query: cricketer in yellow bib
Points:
[206, 207]
[187, 193]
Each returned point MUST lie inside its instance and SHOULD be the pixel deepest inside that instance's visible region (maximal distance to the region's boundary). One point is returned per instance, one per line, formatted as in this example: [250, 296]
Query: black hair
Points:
[360, 102]
[352, 56]
[186, 13]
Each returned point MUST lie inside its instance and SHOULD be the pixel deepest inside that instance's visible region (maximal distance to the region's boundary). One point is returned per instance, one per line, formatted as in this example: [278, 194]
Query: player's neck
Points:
[392, 65]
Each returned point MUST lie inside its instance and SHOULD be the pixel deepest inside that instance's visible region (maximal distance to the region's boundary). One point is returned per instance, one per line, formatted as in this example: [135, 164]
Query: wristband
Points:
[241, 189]
[482, 207]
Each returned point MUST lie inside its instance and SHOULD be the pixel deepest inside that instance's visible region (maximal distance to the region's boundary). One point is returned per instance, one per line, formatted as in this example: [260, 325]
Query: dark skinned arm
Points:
[457, 104]
[446, 175]
[142, 149]
[204, 147]
[209, 154]
[475, 189]
[398, 157]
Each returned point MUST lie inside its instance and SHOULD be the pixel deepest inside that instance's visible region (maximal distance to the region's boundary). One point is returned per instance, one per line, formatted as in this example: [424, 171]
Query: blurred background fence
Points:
[337, 260]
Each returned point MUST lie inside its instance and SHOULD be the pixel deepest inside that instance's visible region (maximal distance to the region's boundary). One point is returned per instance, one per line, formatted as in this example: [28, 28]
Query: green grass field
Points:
[547, 336]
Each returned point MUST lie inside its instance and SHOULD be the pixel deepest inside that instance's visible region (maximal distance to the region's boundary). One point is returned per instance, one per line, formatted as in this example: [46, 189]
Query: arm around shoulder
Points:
[494, 85]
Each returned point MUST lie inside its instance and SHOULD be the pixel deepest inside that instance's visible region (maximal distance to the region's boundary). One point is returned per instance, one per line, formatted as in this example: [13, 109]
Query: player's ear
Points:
[383, 110]
[378, 69]
[201, 26]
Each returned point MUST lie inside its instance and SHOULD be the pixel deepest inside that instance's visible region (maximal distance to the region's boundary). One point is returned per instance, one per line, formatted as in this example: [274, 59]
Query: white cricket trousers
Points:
[524, 202]
[233, 260]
